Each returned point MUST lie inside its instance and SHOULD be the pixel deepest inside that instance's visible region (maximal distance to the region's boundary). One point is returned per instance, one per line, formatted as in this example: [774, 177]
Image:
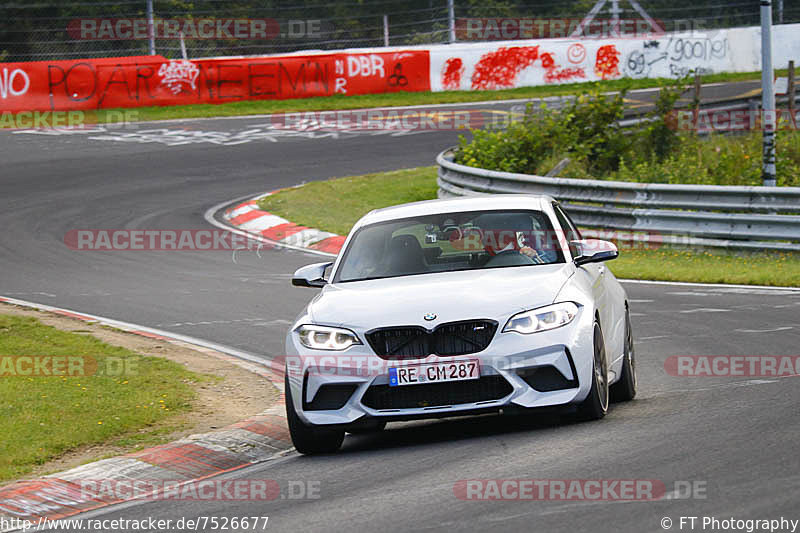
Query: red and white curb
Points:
[191, 459]
[249, 218]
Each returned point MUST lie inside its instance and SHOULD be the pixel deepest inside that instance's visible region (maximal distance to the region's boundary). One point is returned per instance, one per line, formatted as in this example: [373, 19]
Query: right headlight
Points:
[326, 338]
[542, 319]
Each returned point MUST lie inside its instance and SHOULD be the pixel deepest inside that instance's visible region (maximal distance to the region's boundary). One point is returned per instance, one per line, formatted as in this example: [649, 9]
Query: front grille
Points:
[485, 389]
[403, 342]
[415, 342]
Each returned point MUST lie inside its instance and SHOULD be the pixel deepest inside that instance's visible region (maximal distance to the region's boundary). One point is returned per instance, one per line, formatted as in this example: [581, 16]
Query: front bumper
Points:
[543, 369]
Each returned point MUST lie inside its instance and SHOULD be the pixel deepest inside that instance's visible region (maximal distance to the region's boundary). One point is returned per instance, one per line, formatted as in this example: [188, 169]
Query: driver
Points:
[499, 241]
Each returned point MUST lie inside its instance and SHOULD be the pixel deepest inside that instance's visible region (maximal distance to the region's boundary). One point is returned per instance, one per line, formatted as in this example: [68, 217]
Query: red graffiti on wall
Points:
[452, 72]
[606, 65]
[499, 69]
[83, 84]
[557, 75]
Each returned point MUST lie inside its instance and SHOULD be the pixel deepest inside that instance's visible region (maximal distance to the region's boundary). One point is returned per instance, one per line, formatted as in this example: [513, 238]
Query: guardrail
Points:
[632, 117]
[690, 215]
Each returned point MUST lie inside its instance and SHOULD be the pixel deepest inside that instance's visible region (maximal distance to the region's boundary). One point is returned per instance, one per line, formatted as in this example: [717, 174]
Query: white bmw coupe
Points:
[455, 307]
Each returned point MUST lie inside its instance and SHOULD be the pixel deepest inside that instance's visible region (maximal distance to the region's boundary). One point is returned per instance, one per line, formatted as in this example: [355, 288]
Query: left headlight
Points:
[326, 338]
[542, 319]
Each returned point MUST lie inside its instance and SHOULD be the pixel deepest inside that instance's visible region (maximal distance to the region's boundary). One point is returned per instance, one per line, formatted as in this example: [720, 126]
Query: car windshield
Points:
[449, 242]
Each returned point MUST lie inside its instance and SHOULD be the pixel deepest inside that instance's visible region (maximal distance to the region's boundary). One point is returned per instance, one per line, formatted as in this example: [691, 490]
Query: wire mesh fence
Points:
[49, 30]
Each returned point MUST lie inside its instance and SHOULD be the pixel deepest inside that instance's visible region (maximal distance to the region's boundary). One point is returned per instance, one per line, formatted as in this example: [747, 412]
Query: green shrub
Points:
[587, 132]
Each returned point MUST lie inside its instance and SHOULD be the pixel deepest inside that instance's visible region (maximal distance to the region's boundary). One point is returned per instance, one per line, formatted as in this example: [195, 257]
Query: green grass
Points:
[335, 205]
[774, 269]
[42, 417]
[325, 103]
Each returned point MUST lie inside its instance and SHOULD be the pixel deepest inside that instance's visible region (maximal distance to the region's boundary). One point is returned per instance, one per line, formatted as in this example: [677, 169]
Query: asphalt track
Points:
[736, 437]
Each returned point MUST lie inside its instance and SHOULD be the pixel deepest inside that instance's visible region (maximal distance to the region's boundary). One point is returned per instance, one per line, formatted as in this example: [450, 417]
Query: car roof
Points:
[500, 202]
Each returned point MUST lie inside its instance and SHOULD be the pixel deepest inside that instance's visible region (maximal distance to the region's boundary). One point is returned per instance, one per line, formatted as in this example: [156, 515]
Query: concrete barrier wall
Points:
[154, 80]
[510, 64]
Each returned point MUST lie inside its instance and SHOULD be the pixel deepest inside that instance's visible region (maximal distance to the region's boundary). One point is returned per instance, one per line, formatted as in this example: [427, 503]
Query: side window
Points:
[566, 224]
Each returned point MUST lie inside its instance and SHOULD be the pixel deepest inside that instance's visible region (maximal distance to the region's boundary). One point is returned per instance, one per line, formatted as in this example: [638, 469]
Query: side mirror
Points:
[592, 251]
[311, 275]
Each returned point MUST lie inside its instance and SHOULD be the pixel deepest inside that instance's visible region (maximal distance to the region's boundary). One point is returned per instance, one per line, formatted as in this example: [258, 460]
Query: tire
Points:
[595, 406]
[310, 440]
[624, 390]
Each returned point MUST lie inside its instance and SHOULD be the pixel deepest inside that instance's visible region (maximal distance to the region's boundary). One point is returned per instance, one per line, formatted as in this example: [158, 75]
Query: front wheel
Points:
[595, 406]
[624, 390]
[310, 440]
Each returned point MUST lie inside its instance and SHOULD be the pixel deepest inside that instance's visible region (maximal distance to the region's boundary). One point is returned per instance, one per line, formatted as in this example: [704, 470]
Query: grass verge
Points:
[325, 103]
[43, 417]
[774, 269]
[335, 205]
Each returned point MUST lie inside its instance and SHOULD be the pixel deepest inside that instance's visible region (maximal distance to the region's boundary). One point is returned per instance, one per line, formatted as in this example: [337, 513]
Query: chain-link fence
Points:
[48, 30]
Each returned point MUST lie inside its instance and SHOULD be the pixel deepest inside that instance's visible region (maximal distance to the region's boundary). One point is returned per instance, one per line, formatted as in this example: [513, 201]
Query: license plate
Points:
[434, 373]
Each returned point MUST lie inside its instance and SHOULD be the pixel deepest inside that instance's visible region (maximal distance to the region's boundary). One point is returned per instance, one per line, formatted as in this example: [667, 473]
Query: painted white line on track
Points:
[688, 293]
[247, 356]
[784, 328]
[718, 285]
[705, 310]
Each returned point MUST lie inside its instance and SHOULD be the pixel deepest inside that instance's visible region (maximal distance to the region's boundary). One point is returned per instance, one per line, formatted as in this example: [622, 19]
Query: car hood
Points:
[492, 293]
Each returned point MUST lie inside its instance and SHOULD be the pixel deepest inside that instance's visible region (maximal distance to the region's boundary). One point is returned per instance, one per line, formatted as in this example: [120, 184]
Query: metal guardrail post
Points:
[790, 91]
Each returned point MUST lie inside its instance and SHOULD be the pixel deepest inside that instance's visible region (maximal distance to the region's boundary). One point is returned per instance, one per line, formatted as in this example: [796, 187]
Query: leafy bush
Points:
[587, 132]
[584, 130]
